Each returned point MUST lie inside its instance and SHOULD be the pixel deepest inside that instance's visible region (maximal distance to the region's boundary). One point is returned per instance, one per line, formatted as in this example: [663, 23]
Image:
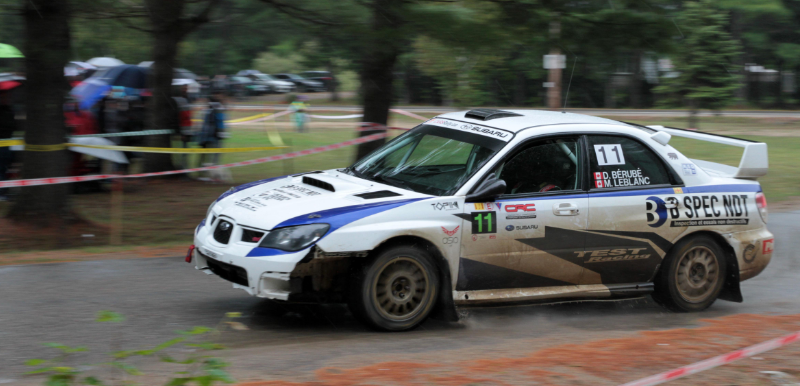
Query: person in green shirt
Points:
[299, 107]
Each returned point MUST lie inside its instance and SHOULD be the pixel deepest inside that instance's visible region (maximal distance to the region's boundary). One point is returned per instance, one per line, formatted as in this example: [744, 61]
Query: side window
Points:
[623, 162]
[544, 166]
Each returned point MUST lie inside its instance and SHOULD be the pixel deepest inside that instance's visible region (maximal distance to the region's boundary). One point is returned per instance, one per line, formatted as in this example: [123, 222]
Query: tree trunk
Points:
[334, 86]
[162, 111]
[635, 87]
[693, 122]
[519, 89]
[47, 49]
[377, 68]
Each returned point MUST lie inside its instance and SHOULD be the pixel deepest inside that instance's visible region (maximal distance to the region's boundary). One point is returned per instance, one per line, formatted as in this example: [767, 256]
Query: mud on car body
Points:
[492, 207]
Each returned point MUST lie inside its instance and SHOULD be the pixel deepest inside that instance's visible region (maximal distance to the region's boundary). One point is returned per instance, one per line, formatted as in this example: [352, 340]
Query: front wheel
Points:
[396, 291]
[691, 276]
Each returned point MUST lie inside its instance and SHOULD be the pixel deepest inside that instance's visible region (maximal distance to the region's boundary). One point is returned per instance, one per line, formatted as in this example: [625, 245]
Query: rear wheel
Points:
[691, 276]
[396, 291]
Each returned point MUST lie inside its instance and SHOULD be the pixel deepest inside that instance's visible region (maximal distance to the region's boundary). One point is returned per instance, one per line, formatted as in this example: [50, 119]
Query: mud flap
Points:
[731, 290]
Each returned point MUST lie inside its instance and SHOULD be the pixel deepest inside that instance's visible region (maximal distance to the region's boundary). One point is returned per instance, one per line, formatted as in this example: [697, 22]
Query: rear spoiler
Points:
[754, 163]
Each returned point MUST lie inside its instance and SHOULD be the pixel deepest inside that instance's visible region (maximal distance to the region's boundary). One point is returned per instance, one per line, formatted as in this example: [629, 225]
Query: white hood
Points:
[268, 204]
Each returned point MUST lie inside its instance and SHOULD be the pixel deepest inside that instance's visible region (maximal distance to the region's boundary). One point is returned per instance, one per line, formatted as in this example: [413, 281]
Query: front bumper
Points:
[262, 276]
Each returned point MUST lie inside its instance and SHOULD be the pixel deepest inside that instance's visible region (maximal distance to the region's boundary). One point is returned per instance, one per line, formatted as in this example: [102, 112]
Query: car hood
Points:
[307, 198]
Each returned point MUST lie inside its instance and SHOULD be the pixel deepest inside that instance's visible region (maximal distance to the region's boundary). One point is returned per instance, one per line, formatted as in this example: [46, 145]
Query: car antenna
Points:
[564, 109]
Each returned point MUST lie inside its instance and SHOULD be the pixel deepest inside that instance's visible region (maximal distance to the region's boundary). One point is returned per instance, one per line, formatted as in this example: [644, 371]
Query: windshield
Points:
[293, 76]
[264, 77]
[429, 159]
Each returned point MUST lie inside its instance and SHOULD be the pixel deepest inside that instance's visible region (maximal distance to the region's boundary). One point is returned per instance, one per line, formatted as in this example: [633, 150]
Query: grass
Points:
[165, 211]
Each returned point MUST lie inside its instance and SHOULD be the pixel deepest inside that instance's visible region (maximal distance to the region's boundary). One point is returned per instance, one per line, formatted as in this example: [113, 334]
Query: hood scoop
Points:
[318, 183]
[378, 194]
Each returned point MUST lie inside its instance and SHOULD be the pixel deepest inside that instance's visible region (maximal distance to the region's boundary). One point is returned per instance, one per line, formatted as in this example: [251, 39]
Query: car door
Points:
[529, 236]
[626, 178]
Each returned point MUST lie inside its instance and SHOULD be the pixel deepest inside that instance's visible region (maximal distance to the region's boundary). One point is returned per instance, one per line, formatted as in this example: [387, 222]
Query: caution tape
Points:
[56, 147]
[11, 142]
[716, 361]
[351, 116]
[124, 134]
[241, 120]
[178, 150]
[66, 180]
[409, 114]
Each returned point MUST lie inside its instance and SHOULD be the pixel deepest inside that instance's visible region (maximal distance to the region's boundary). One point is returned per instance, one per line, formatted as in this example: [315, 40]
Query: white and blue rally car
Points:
[498, 207]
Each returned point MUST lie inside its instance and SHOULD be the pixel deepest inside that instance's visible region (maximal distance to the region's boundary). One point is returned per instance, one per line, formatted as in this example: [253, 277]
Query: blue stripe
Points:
[336, 217]
[202, 224]
[732, 188]
[246, 186]
[539, 198]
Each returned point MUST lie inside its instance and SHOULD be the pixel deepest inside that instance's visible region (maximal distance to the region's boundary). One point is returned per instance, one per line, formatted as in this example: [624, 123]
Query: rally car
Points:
[498, 207]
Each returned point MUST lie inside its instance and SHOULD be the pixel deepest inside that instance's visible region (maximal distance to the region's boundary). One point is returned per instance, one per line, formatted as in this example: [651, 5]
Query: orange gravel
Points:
[601, 362]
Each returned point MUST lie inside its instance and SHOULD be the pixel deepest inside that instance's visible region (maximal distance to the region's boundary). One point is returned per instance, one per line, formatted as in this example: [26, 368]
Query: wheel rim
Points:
[698, 274]
[400, 291]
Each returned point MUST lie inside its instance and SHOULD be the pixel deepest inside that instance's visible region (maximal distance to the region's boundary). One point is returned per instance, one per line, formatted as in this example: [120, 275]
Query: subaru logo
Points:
[314, 216]
[509, 228]
[224, 226]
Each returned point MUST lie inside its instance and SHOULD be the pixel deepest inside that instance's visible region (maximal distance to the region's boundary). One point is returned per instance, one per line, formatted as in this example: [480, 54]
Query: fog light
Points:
[189, 254]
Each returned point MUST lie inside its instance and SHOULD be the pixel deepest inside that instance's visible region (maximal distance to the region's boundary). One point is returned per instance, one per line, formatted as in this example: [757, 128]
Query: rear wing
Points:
[754, 163]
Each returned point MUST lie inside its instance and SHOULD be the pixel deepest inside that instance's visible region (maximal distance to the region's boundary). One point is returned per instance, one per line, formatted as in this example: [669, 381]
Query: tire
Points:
[396, 291]
[691, 276]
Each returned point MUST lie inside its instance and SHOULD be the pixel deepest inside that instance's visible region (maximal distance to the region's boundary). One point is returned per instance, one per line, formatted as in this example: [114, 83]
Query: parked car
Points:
[302, 84]
[272, 84]
[325, 77]
[242, 86]
[498, 207]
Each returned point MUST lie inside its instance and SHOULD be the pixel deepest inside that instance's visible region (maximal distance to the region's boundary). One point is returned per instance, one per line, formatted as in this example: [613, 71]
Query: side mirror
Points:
[490, 188]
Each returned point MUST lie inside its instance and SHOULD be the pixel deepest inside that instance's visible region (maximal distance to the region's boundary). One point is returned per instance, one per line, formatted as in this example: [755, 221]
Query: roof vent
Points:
[319, 184]
[489, 114]
[378, 194]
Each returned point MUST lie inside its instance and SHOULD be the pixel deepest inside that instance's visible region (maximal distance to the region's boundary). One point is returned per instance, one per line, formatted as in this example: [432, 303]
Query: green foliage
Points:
[702, 60]
[196, 368]
[272, 63]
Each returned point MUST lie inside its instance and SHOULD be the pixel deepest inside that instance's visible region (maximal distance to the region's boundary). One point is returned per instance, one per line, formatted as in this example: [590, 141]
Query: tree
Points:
[46, 49]
[702, 60]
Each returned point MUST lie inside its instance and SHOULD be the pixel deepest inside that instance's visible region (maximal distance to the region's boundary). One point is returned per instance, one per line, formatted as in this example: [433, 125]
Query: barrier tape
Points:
[351, 116]
[409, 114]
[175, 150]
[124, 134]
[716, 361]
[56, 147]
[66, 180]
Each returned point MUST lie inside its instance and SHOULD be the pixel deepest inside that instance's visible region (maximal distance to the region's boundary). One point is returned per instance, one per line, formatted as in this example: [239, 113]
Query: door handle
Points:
[565, 209]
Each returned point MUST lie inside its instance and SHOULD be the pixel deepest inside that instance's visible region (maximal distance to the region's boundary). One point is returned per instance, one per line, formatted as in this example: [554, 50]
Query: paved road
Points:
[57, 303]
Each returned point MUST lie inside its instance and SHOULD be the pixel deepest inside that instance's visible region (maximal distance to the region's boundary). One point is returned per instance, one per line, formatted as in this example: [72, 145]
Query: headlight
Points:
[294, 238]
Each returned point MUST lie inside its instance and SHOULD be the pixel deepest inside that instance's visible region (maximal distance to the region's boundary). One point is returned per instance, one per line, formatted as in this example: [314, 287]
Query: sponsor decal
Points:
[609, 155]
[520, 208]
[450, 205]
[282, 194]
[689, 169]
[452, 232]
[444, 122]
[525, 227]
[486, 206]
[524, 211]
[672, 156]
[509, 228]
[484, 222]
[606, 255]
[767, 246]
[484, 237]
[485, 131]
[698, 210]
[677, 190]
[449, 240]
[749, 253]
[481, 130]
[617, 178]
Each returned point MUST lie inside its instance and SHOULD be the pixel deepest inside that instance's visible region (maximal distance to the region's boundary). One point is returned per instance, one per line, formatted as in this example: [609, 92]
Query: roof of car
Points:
[516, 120]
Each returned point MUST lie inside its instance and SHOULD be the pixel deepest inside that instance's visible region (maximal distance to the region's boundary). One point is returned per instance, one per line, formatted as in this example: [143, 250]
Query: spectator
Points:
[213, 131]
[300, 117]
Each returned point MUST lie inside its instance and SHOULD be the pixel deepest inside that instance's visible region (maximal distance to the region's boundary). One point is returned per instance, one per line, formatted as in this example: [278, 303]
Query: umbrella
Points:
[8, 85]
[146, 64]
[182, 73]
[105, 62]
[82, 65]
[8, 51]
[93, 89]
[111, 155]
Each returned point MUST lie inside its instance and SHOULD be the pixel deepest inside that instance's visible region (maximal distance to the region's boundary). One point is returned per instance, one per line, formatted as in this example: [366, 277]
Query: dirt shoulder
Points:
[598, 362]
[99, 253]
